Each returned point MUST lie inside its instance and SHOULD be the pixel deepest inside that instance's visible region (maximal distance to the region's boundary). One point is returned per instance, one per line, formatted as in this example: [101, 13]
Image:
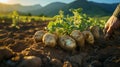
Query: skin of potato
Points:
[49, 39]
[88, 37]
[67, 43]
[95, 31]
[79, 37]
[39, 35]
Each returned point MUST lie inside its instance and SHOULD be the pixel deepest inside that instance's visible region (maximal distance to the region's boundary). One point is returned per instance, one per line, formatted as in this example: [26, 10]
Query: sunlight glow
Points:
[3, 1]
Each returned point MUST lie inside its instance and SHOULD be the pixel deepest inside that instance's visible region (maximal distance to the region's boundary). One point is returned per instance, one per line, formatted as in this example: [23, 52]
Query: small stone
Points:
[67, 64]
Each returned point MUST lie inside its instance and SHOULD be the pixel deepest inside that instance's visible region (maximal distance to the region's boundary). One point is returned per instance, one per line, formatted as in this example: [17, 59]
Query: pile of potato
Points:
[68, 42]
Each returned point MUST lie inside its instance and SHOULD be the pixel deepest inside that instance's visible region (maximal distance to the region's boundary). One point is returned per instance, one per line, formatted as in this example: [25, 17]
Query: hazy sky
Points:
[45, 2]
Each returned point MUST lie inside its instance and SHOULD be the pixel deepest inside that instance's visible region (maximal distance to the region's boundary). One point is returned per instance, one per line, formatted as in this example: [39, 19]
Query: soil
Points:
[15, 44]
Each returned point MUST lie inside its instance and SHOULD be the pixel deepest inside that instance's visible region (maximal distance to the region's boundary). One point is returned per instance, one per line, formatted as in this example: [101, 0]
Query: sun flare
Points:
[3, 1]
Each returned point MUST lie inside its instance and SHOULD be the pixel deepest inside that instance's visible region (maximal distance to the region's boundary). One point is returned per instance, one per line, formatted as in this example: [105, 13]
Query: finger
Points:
[107, 25]
[110, 30]
[106, 28]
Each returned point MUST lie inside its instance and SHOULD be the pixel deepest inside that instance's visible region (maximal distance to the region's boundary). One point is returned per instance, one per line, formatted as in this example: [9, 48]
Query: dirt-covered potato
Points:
[67, 43]
[5, 53]
[95, 31]
[67, 64]
[79, 37]
[89, 38]
[39, 35]
[56, 62]
[50, 40]
[31, 61]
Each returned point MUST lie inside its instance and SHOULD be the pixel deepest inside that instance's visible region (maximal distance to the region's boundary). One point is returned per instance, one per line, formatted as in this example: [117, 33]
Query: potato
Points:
[56, 62]
[5, 53]
[39, 35]
[95, 31]
[67, 43]
[89, 38]
[79, 37]
[31, 61]
[67, 64]
[50, 40]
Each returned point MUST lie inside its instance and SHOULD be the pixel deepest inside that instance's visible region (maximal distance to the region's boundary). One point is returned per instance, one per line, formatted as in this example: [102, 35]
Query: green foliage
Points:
[15, 19]
[29, 14]
[79, 21]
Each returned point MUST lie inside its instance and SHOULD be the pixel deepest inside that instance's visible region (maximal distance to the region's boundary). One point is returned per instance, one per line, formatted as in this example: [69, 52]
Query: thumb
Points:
[109, 31]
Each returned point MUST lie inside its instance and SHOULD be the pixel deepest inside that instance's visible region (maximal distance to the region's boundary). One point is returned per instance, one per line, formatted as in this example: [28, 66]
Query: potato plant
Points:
[15, 19]
[71, 31]
[65, 24]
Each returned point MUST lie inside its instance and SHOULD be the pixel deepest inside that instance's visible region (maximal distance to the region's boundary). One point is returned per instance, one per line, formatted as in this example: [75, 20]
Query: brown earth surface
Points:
[17, 44]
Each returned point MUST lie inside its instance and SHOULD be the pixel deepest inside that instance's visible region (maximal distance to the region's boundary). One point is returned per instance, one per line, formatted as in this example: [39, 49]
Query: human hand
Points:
[112, 24]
